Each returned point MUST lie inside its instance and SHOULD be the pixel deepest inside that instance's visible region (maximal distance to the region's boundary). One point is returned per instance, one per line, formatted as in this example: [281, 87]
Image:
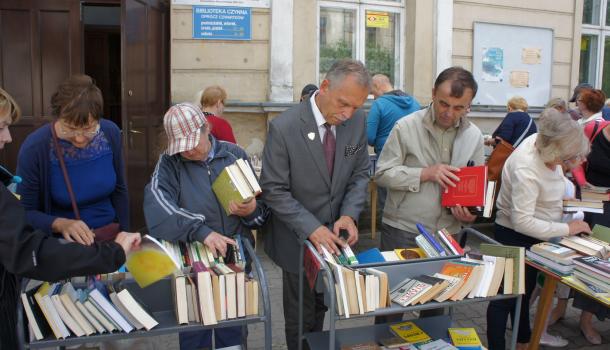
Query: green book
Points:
[602, 233]
[229, 186]
[518, 256]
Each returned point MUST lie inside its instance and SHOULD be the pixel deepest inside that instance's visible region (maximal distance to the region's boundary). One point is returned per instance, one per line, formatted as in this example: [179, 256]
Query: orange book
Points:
[470, 190]
[461, 271]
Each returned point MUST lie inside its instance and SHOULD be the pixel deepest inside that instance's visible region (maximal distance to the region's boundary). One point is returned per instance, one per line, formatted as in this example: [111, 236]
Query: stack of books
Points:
[576, 205]
[61, 310]
[237, 182]
[553, 256]
[593, 274]
[440, 244]
[466, 278]
[374, 255]
[472, 191]
[595, 194]
[215, 293]
[587, 245]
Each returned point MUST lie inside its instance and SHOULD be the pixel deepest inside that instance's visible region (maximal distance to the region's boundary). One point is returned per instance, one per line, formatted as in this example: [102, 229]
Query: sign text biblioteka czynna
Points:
[222, 23]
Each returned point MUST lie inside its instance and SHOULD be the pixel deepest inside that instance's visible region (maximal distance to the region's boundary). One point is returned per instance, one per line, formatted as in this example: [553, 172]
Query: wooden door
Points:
[145, 98]
[40, 46]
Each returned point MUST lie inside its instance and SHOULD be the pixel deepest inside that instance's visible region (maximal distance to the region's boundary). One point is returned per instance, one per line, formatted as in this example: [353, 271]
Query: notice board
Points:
[511, 60]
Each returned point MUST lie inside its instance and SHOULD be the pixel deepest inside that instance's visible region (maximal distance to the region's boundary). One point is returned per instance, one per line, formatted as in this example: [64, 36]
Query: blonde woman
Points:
[530, 206]
[516, 126]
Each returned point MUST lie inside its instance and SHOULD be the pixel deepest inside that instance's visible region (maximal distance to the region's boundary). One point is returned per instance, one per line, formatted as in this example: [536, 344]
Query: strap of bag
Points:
[60, 157]
[524, 133]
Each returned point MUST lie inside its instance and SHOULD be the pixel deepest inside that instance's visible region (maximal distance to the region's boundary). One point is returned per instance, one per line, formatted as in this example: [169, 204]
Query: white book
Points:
[63, 330]
[76, 314]
[122, 309]
[136, 310]
[368, 284]
[181, 295]
[206, 298]
[249, 174]
[390, 256]
[110, 310]
[29, 313]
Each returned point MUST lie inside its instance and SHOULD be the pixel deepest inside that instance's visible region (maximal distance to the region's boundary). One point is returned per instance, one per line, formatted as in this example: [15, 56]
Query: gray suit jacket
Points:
[296, 184]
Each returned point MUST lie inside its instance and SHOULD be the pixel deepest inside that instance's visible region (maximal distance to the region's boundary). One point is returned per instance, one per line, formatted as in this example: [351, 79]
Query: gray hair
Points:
[560, 137]
[342, 68]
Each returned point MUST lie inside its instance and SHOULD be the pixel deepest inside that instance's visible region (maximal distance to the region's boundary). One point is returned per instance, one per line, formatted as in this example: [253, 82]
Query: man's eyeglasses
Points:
[88, 132]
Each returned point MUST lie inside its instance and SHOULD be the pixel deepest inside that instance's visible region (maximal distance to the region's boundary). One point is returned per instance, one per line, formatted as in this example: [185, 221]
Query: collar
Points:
[595, 116]
[316, 111]
[212, 152]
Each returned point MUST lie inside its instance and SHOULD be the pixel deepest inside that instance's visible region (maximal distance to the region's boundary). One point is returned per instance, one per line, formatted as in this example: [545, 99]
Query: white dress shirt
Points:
[320, 121]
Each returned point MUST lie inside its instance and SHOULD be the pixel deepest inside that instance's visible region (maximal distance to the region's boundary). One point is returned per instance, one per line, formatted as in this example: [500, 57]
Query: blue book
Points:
[431, 239]
[372, 255]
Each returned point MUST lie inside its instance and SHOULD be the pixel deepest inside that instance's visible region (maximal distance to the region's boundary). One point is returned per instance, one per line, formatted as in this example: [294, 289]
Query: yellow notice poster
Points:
[519, 79]
[376, 19]
[530, 55]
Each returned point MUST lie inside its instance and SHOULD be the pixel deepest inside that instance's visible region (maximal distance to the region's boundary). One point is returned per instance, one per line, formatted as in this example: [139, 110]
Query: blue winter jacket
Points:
[384, 113]
[513, 126]
[179, 204]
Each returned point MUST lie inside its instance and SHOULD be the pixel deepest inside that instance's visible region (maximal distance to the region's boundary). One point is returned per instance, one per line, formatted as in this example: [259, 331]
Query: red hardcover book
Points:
[470, 190]
[311, 266]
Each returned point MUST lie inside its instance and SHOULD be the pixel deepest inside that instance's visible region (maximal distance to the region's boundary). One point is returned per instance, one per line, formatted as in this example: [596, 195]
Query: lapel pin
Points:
[311, 136]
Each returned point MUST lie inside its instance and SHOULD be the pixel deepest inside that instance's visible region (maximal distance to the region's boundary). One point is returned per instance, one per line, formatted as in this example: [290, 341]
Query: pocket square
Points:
[350, 150]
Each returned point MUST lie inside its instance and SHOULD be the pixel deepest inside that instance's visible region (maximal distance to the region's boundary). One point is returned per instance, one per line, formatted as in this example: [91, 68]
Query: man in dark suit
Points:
[314, 178]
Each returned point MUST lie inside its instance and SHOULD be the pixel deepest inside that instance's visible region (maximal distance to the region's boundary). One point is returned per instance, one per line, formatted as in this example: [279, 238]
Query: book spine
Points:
[454, 244]
[431, 239]
[425, 245]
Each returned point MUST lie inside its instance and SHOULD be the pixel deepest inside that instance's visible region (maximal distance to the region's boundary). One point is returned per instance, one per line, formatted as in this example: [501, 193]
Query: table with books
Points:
[380, 289]
[578, 262]
[201, 292]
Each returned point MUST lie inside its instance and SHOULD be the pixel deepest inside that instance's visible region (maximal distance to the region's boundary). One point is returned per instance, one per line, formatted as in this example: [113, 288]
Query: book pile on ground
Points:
[587, 245]
[556, 258]
[472, 191]
[237, 182]
[594, 274]
[576, 205]
[60, 310]
[595, 193]
[374, 255]
[465, 338]
[440, 244]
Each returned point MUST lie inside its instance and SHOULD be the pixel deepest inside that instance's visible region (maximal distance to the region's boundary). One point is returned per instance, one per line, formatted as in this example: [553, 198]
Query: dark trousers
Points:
[498, 311]
[313, 309]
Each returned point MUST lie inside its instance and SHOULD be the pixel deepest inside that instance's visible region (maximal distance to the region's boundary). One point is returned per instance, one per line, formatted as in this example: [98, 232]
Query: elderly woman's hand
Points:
[242, 209]
[73, 230]
[578, 226]
[218, 243]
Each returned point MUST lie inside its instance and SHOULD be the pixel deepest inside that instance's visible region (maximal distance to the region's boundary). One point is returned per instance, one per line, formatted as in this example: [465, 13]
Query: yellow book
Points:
[410, 332]
[231, 185]
[151, 262]
[465, 338]
[410, 253]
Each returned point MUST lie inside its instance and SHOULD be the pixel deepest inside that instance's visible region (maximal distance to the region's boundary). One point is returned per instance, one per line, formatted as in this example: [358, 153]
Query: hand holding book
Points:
[462, 214]
[242, 209]
[217, 243]
[577, 227]
[128, 241]
[442, 174]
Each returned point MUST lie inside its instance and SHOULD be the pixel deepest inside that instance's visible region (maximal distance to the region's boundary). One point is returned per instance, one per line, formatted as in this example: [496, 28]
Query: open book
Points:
[151, 262]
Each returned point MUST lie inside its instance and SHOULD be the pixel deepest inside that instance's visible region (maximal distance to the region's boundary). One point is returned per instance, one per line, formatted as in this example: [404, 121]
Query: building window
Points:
[367, 30]
[595, 45]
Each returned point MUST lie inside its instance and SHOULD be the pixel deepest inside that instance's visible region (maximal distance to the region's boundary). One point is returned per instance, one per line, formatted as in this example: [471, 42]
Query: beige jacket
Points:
[410, 148]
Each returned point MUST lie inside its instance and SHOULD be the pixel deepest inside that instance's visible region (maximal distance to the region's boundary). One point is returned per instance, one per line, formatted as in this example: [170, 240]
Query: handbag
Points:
[105, 233]
[500, 154]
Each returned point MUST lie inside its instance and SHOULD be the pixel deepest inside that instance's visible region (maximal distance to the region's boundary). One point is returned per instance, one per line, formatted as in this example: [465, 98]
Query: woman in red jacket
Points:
[213, 105]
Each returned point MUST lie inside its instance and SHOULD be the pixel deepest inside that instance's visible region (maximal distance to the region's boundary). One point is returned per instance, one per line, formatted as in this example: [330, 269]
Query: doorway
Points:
[102, 54]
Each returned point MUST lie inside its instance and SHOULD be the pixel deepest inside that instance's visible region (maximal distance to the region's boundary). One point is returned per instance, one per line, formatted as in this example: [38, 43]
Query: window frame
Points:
[602, 31]
[360, 7]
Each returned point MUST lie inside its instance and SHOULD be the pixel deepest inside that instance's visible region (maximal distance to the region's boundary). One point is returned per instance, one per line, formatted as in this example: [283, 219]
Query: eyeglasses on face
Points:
[88, 131]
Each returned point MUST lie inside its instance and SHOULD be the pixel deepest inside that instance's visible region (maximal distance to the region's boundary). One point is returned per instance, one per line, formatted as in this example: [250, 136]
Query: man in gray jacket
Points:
[314, 178]
[420, 159]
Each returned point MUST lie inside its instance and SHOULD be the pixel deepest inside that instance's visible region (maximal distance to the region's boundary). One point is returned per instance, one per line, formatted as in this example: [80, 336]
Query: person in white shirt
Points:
[530, 206]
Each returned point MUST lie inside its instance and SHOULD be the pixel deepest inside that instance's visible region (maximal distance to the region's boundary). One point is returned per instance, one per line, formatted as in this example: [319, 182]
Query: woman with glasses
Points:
[590, 103]
[87, 193]
[530, 207]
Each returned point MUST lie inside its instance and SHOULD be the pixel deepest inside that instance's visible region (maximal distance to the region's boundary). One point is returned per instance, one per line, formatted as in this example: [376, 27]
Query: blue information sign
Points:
[222, 23]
